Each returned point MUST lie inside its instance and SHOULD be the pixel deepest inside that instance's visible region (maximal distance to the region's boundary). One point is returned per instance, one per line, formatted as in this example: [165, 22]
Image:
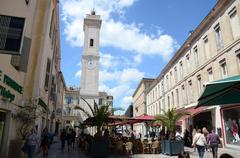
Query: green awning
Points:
[225, 91]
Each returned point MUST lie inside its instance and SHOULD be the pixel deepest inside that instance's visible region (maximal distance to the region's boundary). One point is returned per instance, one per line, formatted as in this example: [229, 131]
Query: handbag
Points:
[194, 144]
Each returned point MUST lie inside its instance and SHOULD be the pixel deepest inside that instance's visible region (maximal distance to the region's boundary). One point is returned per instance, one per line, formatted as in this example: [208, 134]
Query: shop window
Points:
[231, 126]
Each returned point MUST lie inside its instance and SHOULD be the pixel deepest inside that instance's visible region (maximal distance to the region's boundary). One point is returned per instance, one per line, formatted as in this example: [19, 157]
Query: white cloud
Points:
[78, 74]
[131, 74]
[105, 75]
[107, 60]
[137, 59]
[127, 100]
[115, 33]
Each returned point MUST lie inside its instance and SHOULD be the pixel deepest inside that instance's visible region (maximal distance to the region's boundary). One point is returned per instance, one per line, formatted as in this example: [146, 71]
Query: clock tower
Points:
[90, 57]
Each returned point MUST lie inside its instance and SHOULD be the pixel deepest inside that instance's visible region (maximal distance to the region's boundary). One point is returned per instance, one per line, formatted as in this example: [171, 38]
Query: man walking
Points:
[213, 140]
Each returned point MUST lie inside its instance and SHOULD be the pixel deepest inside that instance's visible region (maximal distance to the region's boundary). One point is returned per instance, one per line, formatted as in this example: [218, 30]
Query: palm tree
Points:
[169, 120]
[99, 113]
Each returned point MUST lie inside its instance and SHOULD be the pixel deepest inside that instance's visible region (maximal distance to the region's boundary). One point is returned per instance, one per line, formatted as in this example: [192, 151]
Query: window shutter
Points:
[47, 74]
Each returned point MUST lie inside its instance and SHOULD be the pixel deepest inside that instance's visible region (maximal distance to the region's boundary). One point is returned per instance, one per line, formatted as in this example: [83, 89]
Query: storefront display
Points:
[231, 119]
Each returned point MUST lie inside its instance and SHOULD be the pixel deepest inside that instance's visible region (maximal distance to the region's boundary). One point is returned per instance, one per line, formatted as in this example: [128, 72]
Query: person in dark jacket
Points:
[213, 140]
[63, 138]
[45, 141]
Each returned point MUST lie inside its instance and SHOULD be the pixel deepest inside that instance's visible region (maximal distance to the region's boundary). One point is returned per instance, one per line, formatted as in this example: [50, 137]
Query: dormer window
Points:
[91, 42]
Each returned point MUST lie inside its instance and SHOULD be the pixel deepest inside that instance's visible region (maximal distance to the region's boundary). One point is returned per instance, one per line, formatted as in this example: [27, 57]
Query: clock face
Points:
[90, 63]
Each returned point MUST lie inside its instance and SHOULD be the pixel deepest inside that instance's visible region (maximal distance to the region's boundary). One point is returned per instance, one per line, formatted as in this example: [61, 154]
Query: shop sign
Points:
[13, 84]
[6, 94]
[10, 83]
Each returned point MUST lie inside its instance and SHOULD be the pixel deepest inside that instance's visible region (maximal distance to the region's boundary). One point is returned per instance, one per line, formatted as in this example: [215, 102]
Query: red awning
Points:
[193, 112]
[145, 117]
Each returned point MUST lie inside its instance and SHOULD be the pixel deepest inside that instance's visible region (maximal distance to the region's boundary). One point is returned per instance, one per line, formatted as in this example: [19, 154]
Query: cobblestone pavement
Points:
[56, 152]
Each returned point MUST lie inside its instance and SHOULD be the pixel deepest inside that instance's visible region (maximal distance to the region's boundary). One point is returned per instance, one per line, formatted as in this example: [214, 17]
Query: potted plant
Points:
[170, 146]
[25, 117]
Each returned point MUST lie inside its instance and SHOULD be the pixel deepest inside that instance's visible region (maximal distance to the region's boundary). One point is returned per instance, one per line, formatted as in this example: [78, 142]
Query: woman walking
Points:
[31, 142]
[200, 142]
[45, 141]
[194, 131]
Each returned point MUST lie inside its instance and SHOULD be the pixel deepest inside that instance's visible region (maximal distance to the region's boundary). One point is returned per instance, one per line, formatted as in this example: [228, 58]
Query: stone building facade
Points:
[29, 66]
[139, 103]
[211, 52]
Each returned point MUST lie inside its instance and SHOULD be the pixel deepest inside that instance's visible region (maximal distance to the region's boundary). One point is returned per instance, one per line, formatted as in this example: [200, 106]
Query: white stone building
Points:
[211, 52]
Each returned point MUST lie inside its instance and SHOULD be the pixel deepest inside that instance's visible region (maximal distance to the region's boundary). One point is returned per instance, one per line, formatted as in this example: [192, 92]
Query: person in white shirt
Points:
[199, 141]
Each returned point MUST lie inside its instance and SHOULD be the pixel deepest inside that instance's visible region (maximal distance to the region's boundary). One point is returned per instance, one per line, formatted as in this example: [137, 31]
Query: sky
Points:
[137, 39]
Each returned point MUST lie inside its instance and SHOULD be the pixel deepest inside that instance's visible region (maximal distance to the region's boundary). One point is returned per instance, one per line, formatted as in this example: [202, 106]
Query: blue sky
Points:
[138, 37]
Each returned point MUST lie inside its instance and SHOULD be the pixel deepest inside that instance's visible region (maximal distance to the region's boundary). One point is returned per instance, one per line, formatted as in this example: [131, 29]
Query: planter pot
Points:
[15, 149]
[99, 149]
[172, 147]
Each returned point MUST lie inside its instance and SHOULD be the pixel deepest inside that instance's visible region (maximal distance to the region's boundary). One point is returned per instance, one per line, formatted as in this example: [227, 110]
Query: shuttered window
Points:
[234, 21]
[11, 32]
[47, 77]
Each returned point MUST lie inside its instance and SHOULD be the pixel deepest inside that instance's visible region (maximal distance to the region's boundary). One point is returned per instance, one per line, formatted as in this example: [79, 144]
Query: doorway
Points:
[2, 125]
[203, 119]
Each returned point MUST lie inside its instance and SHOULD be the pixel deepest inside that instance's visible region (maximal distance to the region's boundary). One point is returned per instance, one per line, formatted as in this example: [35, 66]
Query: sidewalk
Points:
[56, 152]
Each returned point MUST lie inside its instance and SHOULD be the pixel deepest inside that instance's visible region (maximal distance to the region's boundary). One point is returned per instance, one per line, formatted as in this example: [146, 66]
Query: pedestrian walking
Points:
[213, 141]
[205, 133]
[194, 131]
[31, 143]
[63, 138]
[69, 139]
[45, 141]
[199, 141]
[73, 137]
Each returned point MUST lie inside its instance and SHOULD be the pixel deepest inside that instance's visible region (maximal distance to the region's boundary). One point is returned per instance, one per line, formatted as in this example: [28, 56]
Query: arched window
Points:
[91, 42]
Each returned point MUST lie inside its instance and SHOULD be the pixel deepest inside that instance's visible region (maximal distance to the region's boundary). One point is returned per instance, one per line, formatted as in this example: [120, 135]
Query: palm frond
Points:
[170, 117]
[83, 110]
[90, 107]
